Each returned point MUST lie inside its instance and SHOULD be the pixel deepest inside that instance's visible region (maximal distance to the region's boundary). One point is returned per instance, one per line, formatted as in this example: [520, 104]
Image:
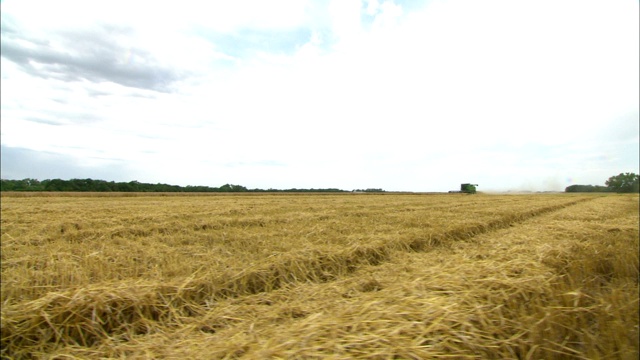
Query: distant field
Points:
[320, 275]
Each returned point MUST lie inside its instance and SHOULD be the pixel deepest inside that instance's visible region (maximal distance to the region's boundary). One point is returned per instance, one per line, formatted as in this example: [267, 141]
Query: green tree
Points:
[56, 185]
[7, 185]
[586, 188]
[623, 183]
[232, 188]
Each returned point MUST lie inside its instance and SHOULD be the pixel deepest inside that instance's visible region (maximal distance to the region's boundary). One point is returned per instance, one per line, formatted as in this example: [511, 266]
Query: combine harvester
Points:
[465, 189]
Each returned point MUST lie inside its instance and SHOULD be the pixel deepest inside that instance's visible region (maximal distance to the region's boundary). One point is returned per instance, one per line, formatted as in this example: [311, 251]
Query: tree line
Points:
[621, 183]
[91, 185]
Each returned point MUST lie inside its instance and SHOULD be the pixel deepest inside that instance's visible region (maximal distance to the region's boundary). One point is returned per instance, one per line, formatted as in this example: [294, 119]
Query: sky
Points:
[400, 95]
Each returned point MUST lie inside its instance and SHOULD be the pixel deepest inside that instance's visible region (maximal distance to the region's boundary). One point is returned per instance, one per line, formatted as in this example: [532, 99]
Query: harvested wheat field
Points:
[309, 276]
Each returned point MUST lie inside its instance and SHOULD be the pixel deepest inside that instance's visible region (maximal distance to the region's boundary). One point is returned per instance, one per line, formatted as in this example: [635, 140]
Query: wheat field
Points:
[310, 276]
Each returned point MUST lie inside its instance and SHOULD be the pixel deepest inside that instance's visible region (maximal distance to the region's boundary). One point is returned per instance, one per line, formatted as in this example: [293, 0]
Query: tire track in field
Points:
[466, 233]
[316, 266]
[61, 313]
[436, 295]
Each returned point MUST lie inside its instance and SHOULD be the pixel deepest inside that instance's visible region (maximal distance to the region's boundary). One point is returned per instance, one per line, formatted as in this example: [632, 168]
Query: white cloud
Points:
[329, 93]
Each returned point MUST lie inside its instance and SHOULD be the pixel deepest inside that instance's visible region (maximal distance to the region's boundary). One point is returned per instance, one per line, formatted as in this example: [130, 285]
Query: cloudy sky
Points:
[400, 95]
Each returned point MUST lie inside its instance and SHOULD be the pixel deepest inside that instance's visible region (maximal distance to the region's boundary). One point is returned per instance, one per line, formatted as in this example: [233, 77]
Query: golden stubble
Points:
[310, 276]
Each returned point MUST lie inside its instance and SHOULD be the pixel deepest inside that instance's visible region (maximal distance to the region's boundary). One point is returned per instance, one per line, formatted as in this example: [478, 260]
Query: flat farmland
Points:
[319, 275]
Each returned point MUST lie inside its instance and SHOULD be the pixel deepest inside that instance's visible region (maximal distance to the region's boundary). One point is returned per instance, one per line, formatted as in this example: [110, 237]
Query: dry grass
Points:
[315, 276]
